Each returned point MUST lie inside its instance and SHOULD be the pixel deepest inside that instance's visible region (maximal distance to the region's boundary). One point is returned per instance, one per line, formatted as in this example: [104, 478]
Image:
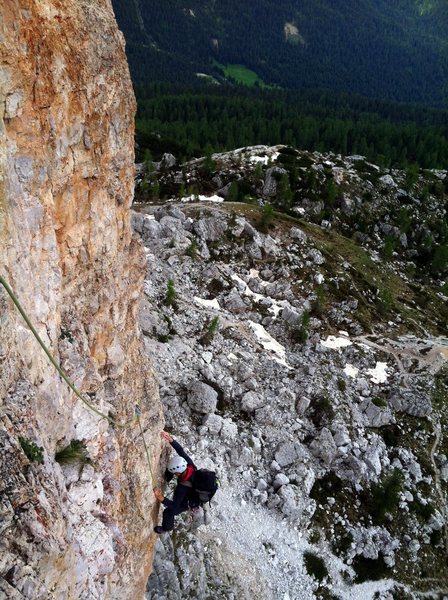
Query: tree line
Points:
[188, 120]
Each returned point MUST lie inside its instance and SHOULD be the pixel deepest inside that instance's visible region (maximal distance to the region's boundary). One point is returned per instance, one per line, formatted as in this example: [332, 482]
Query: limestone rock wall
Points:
[67, 249]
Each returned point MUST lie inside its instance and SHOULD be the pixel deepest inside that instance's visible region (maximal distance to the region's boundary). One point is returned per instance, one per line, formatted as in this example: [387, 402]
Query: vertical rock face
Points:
[66, 248]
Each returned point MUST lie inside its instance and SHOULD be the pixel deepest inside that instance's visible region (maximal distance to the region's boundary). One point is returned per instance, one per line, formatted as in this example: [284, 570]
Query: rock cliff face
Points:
[66, 247]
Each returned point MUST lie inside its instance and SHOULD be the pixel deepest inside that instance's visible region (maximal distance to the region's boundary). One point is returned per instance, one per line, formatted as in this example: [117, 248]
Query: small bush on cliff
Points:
[75, 452]
[33, 452]
[170, 295]
[210, 332]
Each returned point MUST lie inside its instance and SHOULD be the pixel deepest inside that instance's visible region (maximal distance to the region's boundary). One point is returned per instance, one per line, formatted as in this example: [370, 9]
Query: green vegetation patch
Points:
[384, 497]
[315, 566]
[33, 452]
[368, 569]
[243, 75]
[75, 452]
[210, 332]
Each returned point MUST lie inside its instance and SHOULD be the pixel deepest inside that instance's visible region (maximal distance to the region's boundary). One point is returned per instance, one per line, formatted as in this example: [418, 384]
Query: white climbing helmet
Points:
[177, 464]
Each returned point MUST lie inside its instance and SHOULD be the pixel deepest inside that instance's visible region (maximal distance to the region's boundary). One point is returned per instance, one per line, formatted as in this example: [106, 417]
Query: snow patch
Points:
[207, 303]
[335, 343]
[264, 160]
[269, 343]
[351, 371]
[276, 306]
[379, 373]
[201, 198]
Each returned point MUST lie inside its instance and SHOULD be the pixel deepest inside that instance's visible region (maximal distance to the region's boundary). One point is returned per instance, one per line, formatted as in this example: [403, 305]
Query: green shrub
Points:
[391, 435]
[411, 176]
[386, 302]
[75, 452]
[170, 295]
[318, 304]
[148, 160]
[342, 385]
[390, 243]
[210, 332]
[301, 333]
[425, 511]
[285, 195]
[192, 250]
[181, 193]
[322, 410]
[404, 220]
[267, 216]
[163, 338]
[209, 165]
[328, 485]
[315, 566]
[248, 199]
[215, 287]
[385, 496]
[439, 265]
[368, 569]
[380, 402]
[33, 452]
[233, 193]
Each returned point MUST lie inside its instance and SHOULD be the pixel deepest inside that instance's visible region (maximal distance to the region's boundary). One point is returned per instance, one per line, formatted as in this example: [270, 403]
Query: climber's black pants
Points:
[168, 517]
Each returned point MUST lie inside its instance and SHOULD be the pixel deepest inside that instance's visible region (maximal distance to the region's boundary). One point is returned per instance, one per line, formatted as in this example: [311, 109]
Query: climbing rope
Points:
[68, 381]
[138, 414]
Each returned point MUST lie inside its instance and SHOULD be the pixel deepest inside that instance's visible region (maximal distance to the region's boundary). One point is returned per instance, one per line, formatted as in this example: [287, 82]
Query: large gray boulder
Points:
[213, 423]
[273, 176]
[202, 398]
[289, 453]
[375, 416]
[251, 401]
[234, 303]
[412, 403]
[297, 234]
[210, 229]
[324, 447]
[171, 227]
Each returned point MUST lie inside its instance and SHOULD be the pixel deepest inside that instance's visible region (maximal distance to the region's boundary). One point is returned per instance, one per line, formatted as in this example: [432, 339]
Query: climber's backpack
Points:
[205, 483]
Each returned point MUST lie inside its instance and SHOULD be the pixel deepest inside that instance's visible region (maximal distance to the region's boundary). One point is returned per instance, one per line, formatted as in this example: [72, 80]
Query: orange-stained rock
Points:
[67, 249]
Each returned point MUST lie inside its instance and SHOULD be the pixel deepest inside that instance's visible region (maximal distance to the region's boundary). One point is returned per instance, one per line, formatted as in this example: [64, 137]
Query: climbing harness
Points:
[137, 411]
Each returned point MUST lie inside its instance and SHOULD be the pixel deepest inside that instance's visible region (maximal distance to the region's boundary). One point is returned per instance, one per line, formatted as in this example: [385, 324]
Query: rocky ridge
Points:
[282, 367]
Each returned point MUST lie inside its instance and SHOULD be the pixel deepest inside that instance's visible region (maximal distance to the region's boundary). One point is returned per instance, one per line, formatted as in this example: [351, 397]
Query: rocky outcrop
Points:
[67, 249]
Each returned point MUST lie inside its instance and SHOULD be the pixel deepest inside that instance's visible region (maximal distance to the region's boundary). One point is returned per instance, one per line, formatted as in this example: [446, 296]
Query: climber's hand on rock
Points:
[167, 436]
[159, 495]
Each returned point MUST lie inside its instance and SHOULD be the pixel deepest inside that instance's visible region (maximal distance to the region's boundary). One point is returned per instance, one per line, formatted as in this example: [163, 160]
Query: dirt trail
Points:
[430, 353]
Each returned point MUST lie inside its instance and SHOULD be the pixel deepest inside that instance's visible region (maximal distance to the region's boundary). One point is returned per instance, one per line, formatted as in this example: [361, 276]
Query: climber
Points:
[185, 496]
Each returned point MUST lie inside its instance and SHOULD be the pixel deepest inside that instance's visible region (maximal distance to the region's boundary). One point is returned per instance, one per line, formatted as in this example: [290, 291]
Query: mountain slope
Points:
[392, 50]
[303, 359]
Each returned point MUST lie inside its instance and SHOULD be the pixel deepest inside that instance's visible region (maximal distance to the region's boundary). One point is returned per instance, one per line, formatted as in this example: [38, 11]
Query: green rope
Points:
[68, 381]
[137, 412]
[55, 364]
